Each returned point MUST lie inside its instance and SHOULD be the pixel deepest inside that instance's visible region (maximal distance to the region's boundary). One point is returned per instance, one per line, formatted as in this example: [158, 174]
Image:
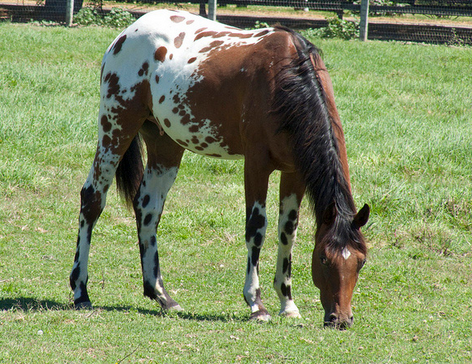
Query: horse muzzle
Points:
[337, 321]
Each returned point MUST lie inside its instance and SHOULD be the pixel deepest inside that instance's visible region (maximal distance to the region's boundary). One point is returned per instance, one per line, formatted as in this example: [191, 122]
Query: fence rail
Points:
[432, 32]
[440, 8]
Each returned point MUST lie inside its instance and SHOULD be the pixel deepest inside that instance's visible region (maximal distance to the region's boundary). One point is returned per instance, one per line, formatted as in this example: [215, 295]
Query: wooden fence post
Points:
[69, 12]
[364, 23]
[212, 10]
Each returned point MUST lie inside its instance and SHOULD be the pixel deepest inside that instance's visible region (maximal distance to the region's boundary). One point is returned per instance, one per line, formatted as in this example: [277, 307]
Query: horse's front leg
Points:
[291, 194]
[256, 224]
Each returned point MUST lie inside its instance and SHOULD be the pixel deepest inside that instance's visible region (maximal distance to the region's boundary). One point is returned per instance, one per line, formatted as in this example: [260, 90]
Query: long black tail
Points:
[130, 171]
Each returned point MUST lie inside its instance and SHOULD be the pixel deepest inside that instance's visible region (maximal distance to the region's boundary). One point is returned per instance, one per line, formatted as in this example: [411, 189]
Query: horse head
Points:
[339, 254]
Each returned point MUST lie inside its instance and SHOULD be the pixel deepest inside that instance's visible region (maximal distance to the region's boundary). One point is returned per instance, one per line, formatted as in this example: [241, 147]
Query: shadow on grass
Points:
[210, 317]
[191, 316]
[31, 304]
[34, 304]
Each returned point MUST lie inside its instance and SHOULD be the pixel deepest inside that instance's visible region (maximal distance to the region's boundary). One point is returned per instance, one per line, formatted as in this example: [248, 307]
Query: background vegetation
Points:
[406, 114]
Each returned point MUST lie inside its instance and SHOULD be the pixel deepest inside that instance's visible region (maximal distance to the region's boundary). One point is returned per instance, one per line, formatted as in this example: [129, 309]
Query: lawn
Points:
[406, 110]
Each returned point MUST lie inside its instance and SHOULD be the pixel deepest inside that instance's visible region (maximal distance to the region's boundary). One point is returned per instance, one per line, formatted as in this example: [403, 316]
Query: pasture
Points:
[406, 112]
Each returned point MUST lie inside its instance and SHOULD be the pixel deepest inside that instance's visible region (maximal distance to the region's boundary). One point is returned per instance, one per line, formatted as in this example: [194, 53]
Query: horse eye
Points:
[324, 260]
[361, 264]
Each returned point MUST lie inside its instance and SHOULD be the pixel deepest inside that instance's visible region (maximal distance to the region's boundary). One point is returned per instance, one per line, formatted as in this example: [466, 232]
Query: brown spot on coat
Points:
[177, 18]
[161, 100]
[181, 142]
[240, 35]
[210, 140]
[222, 34]
[167, 123]
[212, 45]
[119, 44]
[157, 79]
[185, 119]
[260, 34]
[113, 84]
[191, 60]
[146, 200]
[101, 71]
[210, 33]
[106, 141]
[200, 30]
[144, 69]
[179, 40]
[106, 125]
[176, 99]
[160, 54]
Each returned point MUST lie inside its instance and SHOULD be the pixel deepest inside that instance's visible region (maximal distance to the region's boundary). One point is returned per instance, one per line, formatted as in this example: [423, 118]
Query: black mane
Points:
[301, 106]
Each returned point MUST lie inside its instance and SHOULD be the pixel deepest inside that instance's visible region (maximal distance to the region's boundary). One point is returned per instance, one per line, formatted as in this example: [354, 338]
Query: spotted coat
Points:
[169, 62]
[183, 82]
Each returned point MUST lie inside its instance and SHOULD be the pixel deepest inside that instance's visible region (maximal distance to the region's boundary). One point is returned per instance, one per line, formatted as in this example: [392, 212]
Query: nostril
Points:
[333, 320]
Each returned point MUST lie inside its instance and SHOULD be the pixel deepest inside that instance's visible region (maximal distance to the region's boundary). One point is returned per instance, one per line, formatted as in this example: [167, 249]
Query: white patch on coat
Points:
[346, 253]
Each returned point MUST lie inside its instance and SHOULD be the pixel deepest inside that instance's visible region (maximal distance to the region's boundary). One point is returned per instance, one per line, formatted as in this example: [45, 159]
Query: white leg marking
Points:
[255, 233]
[152, 195]
[288, 221]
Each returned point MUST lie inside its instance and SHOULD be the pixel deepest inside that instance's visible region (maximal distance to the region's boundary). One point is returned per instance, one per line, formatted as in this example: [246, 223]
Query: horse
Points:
[173, 81]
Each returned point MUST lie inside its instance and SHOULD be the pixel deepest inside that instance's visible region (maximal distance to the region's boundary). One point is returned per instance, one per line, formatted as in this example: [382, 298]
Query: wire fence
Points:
[433, 21]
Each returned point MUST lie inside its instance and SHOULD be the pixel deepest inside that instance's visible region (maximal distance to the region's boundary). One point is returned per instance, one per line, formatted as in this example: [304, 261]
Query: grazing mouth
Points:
[340, 325]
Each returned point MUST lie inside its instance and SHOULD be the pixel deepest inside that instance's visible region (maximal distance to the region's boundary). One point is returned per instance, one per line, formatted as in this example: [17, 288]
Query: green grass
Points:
[406, 114]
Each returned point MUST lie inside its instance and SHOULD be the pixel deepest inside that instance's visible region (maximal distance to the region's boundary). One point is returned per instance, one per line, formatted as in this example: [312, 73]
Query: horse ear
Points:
[329, 215]
[362, 217]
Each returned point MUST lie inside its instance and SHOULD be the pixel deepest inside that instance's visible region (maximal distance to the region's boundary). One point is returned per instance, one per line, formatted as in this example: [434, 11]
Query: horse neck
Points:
[337, 190]
[304, 101]
[327, 184]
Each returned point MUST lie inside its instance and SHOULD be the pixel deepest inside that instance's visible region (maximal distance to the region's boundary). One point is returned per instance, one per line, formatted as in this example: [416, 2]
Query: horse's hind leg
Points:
[164, 157]
[93, 199]
[291, 194]
[119, 122]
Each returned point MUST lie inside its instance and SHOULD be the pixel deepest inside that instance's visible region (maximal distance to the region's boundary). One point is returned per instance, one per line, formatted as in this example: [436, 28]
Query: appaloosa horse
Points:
[179, 81]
